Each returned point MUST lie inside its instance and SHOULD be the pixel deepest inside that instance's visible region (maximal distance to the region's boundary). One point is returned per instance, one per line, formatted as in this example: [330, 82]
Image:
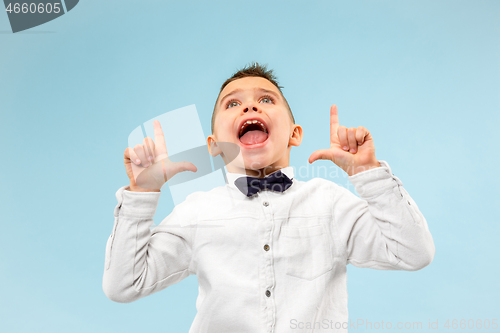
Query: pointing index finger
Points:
[334, 123]
[160, 145]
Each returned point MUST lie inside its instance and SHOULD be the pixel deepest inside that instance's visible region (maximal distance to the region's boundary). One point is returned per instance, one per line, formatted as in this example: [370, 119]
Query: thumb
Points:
[322, 154]
[183, 166]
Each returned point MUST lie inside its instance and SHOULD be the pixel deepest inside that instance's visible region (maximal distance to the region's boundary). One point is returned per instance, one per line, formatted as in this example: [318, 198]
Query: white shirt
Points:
[274, 262]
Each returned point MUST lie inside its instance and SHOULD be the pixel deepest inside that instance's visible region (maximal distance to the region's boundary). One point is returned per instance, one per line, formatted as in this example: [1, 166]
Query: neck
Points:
[259, 173]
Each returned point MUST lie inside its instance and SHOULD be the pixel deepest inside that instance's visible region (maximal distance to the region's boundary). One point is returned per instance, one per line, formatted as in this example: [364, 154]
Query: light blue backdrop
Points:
[422, 76]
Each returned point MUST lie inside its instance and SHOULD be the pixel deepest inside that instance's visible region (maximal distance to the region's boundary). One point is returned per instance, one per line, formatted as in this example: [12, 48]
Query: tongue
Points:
[253, 137]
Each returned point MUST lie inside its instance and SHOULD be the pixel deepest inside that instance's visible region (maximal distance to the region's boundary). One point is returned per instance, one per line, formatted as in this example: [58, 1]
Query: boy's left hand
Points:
[351, 149]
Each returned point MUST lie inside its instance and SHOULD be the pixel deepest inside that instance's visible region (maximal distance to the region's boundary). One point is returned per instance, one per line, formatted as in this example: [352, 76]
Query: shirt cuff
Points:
[375, 181]
[136, 204]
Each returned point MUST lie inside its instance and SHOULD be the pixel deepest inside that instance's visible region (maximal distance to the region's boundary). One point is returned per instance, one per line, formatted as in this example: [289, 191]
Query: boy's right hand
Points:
[148, 166]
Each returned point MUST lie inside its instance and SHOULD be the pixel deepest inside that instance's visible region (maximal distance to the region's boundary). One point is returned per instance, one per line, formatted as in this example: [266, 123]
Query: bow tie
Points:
[277, 181]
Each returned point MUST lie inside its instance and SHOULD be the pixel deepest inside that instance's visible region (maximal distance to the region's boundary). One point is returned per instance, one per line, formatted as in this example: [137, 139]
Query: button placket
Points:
[268, 256]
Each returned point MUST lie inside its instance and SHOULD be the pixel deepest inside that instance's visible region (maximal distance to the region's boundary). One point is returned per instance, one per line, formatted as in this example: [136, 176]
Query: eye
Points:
[231, 104]
[267, 99]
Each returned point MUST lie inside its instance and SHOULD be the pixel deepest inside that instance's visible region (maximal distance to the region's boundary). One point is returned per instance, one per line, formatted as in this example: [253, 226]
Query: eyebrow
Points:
[255, 89]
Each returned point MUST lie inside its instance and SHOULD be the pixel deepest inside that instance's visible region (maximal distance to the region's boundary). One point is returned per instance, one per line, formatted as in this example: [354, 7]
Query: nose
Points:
[247, 108]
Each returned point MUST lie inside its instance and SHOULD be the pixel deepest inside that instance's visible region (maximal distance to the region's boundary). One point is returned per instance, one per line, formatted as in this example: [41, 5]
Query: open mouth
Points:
[253, 132]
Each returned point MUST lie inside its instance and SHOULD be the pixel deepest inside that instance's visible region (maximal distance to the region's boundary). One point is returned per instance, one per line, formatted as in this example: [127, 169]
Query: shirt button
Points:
[268, 293]
[266, 203]
[266, 247]
[408, 202]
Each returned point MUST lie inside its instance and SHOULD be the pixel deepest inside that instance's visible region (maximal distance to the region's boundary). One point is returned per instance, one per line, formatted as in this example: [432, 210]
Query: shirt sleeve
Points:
[383, 227]
[140, 261]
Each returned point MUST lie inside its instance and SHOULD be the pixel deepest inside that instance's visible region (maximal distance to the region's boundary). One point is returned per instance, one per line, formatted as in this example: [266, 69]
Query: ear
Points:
[213, 148]
[295, 136]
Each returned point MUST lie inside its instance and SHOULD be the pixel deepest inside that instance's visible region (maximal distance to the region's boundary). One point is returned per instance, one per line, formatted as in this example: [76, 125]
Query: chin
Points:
[252, 163]
[255, 159]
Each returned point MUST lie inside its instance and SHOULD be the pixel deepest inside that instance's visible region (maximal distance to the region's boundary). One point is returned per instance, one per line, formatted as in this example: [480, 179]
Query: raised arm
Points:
[383, 229]
[139, 261]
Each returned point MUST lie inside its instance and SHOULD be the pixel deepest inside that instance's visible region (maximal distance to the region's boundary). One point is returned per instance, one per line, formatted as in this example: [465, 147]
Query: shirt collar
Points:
[232, 176]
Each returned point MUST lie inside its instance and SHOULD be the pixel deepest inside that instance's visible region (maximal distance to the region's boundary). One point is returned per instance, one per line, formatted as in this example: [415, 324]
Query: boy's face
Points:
[264, 145]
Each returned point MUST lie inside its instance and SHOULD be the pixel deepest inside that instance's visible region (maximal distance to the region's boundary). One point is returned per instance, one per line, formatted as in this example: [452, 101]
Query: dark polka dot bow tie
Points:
[277, 181]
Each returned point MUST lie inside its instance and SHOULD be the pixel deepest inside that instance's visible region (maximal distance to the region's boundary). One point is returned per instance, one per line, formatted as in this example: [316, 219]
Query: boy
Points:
[270, 252]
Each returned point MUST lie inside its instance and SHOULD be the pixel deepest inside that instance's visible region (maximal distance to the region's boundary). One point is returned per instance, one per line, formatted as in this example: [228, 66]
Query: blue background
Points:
[422, 76]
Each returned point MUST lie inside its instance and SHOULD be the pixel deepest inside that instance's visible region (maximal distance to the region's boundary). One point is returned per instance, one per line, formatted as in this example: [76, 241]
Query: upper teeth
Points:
[249, 122]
